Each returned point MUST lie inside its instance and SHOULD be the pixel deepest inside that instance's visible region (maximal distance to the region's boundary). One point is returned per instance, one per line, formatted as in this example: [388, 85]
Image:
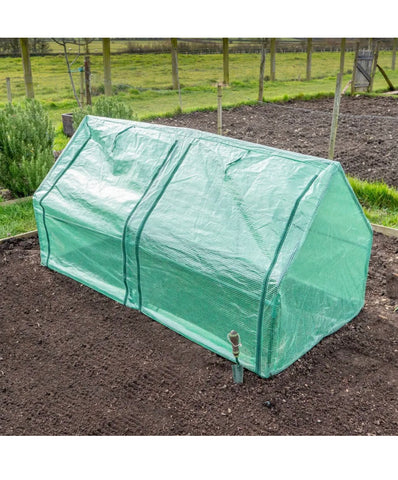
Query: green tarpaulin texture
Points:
[208, 234]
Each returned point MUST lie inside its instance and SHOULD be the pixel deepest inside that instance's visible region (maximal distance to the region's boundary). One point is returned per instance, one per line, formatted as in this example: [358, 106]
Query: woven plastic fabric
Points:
[208, 234]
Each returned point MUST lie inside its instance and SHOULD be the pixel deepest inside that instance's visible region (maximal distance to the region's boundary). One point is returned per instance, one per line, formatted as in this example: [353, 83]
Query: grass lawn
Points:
[379, 201]
[144, 82]
[16, 218]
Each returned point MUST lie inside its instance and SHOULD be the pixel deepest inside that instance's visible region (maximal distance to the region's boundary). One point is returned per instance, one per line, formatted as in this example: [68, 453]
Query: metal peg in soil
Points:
[237, 368]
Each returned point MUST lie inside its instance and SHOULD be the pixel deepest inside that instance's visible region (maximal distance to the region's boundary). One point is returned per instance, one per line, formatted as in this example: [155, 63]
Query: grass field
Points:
[144, 82]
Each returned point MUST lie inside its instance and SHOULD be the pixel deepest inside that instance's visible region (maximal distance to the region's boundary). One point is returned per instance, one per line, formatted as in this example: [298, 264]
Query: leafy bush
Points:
[111, 107]
[26, 147]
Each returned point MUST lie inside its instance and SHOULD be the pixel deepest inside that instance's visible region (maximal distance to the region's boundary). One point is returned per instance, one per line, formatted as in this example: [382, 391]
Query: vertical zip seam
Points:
[124, 249]
[145, 219]
[50, 190]
[266, 280]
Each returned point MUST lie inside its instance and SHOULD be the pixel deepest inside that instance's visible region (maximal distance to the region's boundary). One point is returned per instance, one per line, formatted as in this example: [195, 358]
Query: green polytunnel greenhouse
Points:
[208, 234]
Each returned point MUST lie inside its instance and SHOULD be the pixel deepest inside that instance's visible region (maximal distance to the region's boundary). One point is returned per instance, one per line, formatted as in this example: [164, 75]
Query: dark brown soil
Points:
[367, 135]
[74, 362]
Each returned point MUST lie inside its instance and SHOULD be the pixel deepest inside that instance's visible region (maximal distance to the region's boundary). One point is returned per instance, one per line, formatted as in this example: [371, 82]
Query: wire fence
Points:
[135, 74]
[188, 46]
[366, 139]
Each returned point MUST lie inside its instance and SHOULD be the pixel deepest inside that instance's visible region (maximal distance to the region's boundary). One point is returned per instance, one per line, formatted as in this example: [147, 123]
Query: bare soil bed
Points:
[366, 144]
[74, 362]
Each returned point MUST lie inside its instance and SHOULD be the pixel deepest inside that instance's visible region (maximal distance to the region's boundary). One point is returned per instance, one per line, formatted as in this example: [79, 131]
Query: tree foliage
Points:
[10, 46]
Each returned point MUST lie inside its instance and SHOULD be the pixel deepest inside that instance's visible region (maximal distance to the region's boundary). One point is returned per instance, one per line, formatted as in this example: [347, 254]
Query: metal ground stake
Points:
[237, 368]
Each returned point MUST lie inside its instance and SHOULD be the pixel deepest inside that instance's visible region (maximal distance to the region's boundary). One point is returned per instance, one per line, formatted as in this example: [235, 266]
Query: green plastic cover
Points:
[208, 234]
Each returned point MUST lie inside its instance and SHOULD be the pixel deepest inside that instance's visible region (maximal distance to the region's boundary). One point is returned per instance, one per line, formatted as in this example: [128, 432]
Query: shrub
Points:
[111, 107]
[26, 147]
[10, 46]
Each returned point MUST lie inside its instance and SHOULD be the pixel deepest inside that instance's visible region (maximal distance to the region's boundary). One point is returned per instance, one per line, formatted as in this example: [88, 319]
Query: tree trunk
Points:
[70, 75]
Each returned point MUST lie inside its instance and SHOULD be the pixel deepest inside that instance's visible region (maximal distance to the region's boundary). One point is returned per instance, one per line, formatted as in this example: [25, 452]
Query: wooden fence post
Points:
[335, 118]
[272, 51]
[9, 96]
[342, 55]
[262, 69]
[106, 51]
[174, 63]
[374, 66]
[370, 43]
[394, 53]
[219, 108]
[87, 74]
[225, 50]
[354, 68]
[309, 59]
[81, 70]
[27, 70]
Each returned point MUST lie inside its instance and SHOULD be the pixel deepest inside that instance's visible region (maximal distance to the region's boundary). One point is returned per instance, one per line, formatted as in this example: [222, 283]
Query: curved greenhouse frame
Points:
[206, 234]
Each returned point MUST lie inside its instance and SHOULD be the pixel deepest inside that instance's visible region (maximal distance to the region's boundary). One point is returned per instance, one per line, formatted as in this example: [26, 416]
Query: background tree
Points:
[75, 41]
